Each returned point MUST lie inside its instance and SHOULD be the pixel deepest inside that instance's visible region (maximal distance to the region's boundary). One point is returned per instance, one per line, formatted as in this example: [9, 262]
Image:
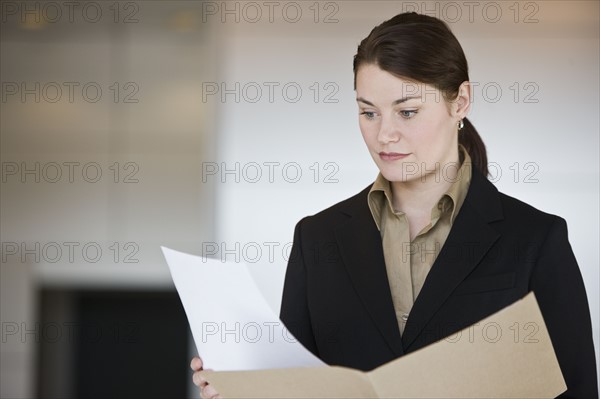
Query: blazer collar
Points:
[360, 246]
[468, 241]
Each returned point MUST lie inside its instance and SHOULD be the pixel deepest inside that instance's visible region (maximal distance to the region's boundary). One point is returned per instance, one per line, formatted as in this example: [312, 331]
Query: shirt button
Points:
[404, 317]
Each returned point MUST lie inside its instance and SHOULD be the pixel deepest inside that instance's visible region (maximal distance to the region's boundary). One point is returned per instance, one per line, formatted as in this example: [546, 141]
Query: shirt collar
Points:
[458, 190]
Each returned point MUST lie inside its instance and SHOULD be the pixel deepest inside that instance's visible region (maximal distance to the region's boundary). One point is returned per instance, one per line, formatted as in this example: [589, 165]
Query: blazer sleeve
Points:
[559, 289]
[294, 303]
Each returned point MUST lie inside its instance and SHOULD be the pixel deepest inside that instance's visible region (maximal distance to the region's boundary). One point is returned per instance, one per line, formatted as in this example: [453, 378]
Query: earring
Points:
[461, 124]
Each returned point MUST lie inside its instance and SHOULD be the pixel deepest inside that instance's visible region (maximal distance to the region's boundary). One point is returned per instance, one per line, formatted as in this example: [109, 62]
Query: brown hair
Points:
[423, 49]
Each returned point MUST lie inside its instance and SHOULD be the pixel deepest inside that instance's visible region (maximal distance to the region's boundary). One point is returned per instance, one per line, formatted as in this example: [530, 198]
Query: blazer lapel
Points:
[362, 253]
[469, 240]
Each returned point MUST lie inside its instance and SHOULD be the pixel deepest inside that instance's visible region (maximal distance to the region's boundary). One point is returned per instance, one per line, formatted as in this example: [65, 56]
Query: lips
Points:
[392, 156]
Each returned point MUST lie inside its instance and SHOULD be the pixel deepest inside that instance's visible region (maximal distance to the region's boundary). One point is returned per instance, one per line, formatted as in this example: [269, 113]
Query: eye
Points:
[368, 114]
[408, 113]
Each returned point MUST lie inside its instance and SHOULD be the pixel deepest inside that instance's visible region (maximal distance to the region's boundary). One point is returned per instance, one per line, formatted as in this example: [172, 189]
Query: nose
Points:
[388, 131]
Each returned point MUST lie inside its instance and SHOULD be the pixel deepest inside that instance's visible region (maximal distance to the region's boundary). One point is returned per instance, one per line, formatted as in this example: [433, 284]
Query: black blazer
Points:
[337, 301]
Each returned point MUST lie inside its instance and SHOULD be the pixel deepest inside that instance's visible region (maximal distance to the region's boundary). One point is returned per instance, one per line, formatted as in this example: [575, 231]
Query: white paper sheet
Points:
[233, 326]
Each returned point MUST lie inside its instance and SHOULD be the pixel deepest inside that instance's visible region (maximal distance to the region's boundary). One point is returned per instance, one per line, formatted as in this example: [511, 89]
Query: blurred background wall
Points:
[212, 128]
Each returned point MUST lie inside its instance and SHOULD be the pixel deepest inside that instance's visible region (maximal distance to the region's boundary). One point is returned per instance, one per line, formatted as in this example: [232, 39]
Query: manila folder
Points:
[506, 355]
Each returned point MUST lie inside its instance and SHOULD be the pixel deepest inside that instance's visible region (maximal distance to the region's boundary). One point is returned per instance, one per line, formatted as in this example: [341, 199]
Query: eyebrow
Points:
[396, 102]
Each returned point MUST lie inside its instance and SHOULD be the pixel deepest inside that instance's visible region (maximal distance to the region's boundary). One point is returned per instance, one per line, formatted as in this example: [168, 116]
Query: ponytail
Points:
[470, 139]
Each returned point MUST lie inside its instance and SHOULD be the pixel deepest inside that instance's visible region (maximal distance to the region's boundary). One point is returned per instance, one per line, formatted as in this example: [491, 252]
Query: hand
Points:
[207, 391]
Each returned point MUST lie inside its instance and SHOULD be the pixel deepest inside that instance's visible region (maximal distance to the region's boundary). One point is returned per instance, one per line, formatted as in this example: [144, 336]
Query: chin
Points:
[399, 174]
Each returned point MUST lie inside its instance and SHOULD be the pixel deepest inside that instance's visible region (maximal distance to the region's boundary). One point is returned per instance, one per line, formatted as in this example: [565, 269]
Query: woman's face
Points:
[409, 128]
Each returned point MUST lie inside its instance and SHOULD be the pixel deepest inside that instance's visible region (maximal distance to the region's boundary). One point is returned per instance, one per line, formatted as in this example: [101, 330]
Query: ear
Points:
[462, 103]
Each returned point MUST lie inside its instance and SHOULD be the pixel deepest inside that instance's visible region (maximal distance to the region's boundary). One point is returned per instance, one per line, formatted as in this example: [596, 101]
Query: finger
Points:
[209, 392]
[196, 364]
[199, 379]
[196, 379]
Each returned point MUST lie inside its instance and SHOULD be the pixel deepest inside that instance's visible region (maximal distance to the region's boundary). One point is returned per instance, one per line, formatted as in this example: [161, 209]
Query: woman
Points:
[431, 246]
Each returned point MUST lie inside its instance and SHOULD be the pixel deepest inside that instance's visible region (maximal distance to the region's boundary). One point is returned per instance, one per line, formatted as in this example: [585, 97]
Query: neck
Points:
[418, 196]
